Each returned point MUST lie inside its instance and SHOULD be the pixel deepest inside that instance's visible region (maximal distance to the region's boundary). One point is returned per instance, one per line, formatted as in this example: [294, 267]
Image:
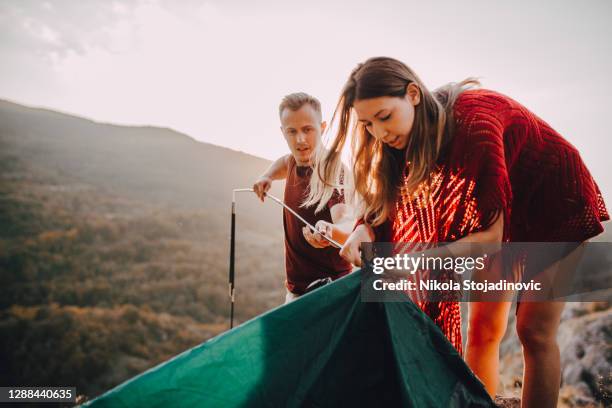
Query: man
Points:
[308, 256]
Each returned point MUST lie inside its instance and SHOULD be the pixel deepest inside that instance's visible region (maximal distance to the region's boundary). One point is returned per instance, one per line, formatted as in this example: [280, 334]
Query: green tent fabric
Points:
[325, 349]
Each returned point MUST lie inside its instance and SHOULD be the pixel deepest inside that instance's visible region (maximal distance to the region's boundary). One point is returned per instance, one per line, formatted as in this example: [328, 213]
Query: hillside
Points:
[114, 247]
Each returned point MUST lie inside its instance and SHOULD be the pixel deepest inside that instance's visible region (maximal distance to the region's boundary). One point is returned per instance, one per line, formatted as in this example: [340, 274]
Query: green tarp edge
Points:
[325, 349]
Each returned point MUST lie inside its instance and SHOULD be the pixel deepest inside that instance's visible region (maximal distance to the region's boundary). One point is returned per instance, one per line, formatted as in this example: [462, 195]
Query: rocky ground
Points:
[585, 343]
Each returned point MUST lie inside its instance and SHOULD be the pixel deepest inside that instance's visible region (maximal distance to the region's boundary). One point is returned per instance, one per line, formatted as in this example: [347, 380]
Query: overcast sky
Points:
[217, 70]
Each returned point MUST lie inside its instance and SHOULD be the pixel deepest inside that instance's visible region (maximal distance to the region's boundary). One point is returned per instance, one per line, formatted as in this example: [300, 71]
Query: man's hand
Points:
[276, 171]
[316, 239]
[261, 186]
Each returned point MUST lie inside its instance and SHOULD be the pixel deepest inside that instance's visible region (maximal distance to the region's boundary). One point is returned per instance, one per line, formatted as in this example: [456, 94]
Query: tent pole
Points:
[232, 260]
[232, 256]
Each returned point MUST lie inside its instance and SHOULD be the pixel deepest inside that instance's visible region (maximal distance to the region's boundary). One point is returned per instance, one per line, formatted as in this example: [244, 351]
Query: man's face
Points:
[302, 130]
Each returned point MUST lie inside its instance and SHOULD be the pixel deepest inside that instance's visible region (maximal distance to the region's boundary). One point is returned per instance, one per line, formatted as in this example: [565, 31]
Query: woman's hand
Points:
[351, 250]
[261, 186]
[323, 228]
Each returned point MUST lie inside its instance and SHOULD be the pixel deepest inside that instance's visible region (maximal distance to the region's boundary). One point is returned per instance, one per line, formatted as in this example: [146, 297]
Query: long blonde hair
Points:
[378, 173]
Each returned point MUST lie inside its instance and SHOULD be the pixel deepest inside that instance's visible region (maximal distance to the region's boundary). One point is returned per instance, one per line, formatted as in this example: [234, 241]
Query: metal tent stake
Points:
[232, 274]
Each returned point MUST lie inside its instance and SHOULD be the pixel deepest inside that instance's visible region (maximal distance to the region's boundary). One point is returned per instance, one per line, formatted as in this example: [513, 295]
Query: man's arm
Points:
[276, 171]
[339, 229]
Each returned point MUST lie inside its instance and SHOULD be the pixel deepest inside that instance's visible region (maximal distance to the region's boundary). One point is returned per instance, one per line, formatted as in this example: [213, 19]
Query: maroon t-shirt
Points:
[304, 263]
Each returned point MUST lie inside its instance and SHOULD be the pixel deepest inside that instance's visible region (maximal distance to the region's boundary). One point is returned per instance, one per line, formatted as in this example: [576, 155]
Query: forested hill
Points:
[146, 163]
[114, 247]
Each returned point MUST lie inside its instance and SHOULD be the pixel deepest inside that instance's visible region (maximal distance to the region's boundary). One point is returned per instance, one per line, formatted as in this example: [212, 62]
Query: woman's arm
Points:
[351, 250]
[491, 238]
[343, 221]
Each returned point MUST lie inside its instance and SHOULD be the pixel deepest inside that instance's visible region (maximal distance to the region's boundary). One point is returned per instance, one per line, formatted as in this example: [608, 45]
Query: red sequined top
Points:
[501, 157]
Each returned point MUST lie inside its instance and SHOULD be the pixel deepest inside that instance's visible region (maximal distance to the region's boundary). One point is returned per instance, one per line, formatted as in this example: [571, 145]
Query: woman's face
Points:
[389, 119]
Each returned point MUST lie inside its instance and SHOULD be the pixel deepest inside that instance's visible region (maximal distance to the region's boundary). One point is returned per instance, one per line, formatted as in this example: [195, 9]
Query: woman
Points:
[462, 165]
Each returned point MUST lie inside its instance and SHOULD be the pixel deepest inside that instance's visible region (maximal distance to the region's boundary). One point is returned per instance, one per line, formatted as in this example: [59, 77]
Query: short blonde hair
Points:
[296, 100]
